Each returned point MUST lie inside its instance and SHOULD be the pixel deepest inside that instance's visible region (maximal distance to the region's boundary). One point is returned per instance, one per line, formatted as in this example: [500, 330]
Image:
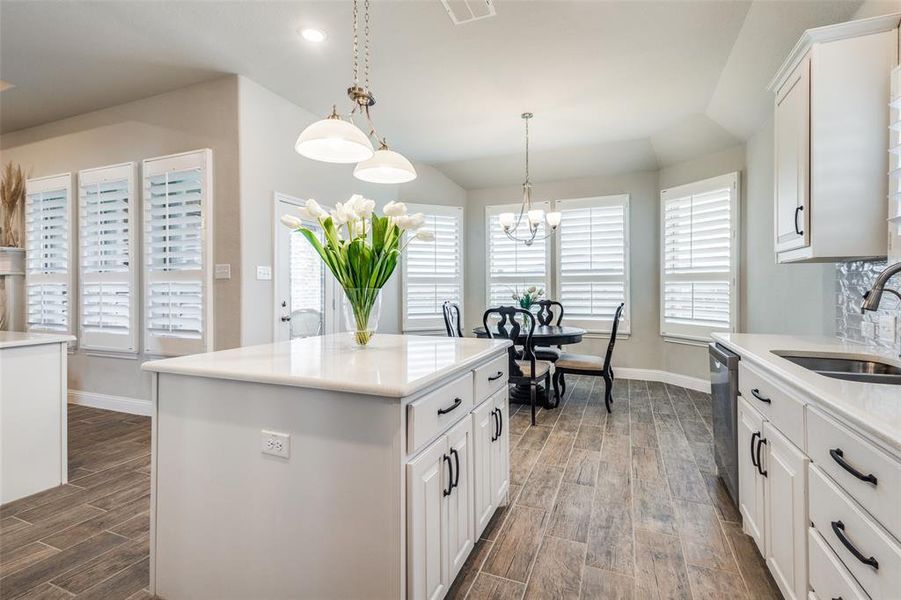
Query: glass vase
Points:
[361, 312]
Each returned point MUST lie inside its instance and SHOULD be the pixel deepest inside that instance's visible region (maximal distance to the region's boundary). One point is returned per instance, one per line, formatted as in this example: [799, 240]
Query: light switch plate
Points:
[887, 328]
[868, 330]
[264, 273]
[275, 443]
[223, 272]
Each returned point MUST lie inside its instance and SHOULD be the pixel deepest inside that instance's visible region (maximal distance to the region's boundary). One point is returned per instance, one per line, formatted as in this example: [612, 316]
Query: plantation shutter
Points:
[593, 261]
[107, 269]
[177, 209]
[700, 258]
[513, 266]
[48, 239]
[433, 271]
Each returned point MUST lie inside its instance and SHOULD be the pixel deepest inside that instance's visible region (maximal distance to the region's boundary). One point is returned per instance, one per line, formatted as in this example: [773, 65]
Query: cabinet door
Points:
[483, 427]
[751, 491]
[459, 534]
[427, 478]
[792, 160]
[500, 451]
[786, 513]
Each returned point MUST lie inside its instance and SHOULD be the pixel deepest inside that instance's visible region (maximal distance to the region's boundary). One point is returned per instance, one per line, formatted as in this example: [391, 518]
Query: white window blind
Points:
[593, 261]
[107, 258]
[48, 244]
[699, 284]
[433, 271]
[514, 266]
[177, 250]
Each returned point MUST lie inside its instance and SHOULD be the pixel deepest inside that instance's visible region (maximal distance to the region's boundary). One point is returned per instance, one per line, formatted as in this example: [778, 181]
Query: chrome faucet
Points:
[873, 296]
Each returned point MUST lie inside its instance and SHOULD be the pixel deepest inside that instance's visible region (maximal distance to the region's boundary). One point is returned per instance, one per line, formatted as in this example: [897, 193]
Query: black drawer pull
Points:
[754, 437]
[450, 475]
[756, 393]
[500, 422]
[798, 229]
[457, 461]
[444, 411]
[838, 528]
[759, 464]
[496, 377]
[838, 456]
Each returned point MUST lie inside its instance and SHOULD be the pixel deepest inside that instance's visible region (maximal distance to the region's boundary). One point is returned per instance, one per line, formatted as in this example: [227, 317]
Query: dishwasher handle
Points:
[723, 356]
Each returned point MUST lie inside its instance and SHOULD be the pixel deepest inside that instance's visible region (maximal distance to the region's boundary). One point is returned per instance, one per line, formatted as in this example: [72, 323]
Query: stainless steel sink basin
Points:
[851, 369]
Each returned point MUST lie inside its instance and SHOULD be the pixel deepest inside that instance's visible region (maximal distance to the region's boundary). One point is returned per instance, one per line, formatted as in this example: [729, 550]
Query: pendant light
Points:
[337, 140]
[510, 222]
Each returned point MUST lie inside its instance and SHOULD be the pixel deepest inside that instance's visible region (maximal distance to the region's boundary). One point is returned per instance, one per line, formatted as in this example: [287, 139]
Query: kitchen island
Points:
[316, 469]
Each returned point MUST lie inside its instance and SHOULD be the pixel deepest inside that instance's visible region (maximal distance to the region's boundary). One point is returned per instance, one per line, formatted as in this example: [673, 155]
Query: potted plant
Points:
[527, 298]
[361, 249]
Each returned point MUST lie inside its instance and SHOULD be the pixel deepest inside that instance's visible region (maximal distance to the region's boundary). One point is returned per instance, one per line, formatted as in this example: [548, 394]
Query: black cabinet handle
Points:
[500, 422]
[798, 229]
[457, 461]
[496, 377]
[444, 411]
[450, 474]
[756, 393]
[838, 456]
[494, 435]
[754, 437]
[838, 528]
[759, 464]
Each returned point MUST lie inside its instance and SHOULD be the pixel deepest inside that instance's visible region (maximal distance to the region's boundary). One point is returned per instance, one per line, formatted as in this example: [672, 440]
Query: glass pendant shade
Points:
[553, 219]
[536, 216]
[334, 140]
[385, 166]
[507, 219]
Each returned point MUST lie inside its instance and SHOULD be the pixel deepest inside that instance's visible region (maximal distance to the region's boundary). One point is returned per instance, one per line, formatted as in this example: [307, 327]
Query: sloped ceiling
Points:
[614, 86]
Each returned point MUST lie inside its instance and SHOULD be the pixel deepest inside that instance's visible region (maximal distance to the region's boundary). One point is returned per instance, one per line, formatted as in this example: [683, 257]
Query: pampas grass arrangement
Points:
[12, 199]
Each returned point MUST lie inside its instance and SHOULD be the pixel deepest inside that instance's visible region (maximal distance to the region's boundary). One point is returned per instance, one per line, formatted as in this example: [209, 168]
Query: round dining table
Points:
[544, 335]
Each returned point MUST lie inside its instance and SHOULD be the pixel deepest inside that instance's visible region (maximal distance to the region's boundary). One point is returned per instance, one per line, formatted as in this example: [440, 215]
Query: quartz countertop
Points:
[870, 408]
[14, 339]
[394, 366]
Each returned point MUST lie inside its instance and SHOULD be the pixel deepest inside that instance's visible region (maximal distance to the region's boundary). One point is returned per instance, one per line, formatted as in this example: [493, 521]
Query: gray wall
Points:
[199, 116]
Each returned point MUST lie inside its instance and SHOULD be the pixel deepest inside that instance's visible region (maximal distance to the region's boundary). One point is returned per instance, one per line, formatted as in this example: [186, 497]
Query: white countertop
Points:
[391, 365]
[871, 408]
[14, 339]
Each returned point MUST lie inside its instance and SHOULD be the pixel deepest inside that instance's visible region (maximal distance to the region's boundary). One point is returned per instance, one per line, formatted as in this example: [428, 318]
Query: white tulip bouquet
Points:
[360, 248]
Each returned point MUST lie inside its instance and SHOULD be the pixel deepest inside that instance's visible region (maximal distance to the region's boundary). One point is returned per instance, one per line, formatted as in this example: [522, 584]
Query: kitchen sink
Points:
[841, 367]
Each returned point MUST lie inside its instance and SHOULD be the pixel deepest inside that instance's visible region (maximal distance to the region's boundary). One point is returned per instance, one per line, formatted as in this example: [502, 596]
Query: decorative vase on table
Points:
[361, 250]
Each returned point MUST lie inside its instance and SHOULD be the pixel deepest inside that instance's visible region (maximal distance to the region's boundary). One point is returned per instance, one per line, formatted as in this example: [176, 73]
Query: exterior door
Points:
[792, 165]
[304, 289]
[750, 482]
[428, 476]
[483, 428]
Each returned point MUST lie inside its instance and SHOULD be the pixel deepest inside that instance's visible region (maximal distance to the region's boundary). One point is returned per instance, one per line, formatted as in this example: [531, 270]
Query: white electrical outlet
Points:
[264, 273]
[868, 330]
[887, 328]
[276, 444]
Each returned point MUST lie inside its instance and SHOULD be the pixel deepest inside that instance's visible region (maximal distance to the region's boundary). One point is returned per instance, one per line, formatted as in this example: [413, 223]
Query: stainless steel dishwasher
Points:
[724, 393]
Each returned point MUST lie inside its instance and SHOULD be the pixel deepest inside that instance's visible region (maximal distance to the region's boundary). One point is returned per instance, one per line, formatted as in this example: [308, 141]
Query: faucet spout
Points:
[873, 296]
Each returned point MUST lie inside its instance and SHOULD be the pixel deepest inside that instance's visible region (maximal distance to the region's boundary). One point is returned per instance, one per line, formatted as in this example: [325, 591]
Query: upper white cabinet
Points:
[831, 135]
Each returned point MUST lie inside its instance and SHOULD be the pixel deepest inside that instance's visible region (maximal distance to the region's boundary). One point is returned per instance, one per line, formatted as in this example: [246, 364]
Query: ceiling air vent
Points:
[466, 11]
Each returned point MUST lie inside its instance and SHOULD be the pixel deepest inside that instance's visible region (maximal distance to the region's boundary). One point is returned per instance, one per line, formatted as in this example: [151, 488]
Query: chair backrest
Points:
[509, 327]
[305, 322]
[452, 319]
[546, 312]
[609, 355]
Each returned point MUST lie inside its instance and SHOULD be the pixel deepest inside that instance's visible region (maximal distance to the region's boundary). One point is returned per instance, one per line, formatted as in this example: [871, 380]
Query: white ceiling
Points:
[614, 85]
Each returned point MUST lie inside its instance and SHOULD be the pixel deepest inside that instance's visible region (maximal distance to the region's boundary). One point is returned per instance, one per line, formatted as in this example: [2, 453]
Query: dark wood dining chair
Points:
[524, 368]
[452, 319]
[588, 364]
[550, 312]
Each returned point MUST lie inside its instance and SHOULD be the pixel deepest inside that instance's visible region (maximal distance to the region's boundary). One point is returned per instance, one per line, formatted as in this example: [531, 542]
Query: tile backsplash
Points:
[852, 279]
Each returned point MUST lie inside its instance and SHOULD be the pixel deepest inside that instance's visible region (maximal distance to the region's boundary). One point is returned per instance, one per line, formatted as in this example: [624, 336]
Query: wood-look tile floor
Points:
[88, 538]
[626, 505]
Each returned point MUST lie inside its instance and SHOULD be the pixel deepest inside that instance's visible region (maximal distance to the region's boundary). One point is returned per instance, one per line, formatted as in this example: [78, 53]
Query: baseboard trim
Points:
[134, 406]
[686, 381]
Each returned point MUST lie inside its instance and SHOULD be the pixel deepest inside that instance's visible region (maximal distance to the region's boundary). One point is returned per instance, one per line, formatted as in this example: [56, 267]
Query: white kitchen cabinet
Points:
[831, 134]
[786, 512]
[500, 451]
[491, 465]
[428, 477]
[751, 484]
[459, 537]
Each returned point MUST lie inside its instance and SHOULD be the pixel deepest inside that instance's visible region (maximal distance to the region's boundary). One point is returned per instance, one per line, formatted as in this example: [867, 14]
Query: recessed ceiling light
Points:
[313, 35]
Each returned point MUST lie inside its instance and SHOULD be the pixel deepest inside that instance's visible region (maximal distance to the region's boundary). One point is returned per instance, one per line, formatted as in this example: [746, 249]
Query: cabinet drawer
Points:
[435, 412]
[828, 576]
[836, 517]
[831, 445]
[491, 377]
[782, 410]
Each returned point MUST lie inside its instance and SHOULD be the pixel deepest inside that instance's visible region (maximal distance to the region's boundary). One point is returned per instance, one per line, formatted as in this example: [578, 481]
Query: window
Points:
[107, 271]
[433, 271]
[48, 239]
[699, 288]
[514, 266]
[177, 250]
[593, 261]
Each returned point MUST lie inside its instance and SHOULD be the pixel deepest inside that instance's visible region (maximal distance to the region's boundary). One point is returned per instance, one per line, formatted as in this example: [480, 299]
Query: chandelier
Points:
[336, 140]
[534, 217]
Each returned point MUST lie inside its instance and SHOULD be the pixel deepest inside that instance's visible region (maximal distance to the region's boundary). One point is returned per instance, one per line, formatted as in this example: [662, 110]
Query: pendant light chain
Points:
[527, 150]
[365, 44]
[356, 45]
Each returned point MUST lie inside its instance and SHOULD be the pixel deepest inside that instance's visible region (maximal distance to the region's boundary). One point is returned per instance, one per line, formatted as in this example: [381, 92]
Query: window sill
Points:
[687, 340]
[124, 355]
[604, 335]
